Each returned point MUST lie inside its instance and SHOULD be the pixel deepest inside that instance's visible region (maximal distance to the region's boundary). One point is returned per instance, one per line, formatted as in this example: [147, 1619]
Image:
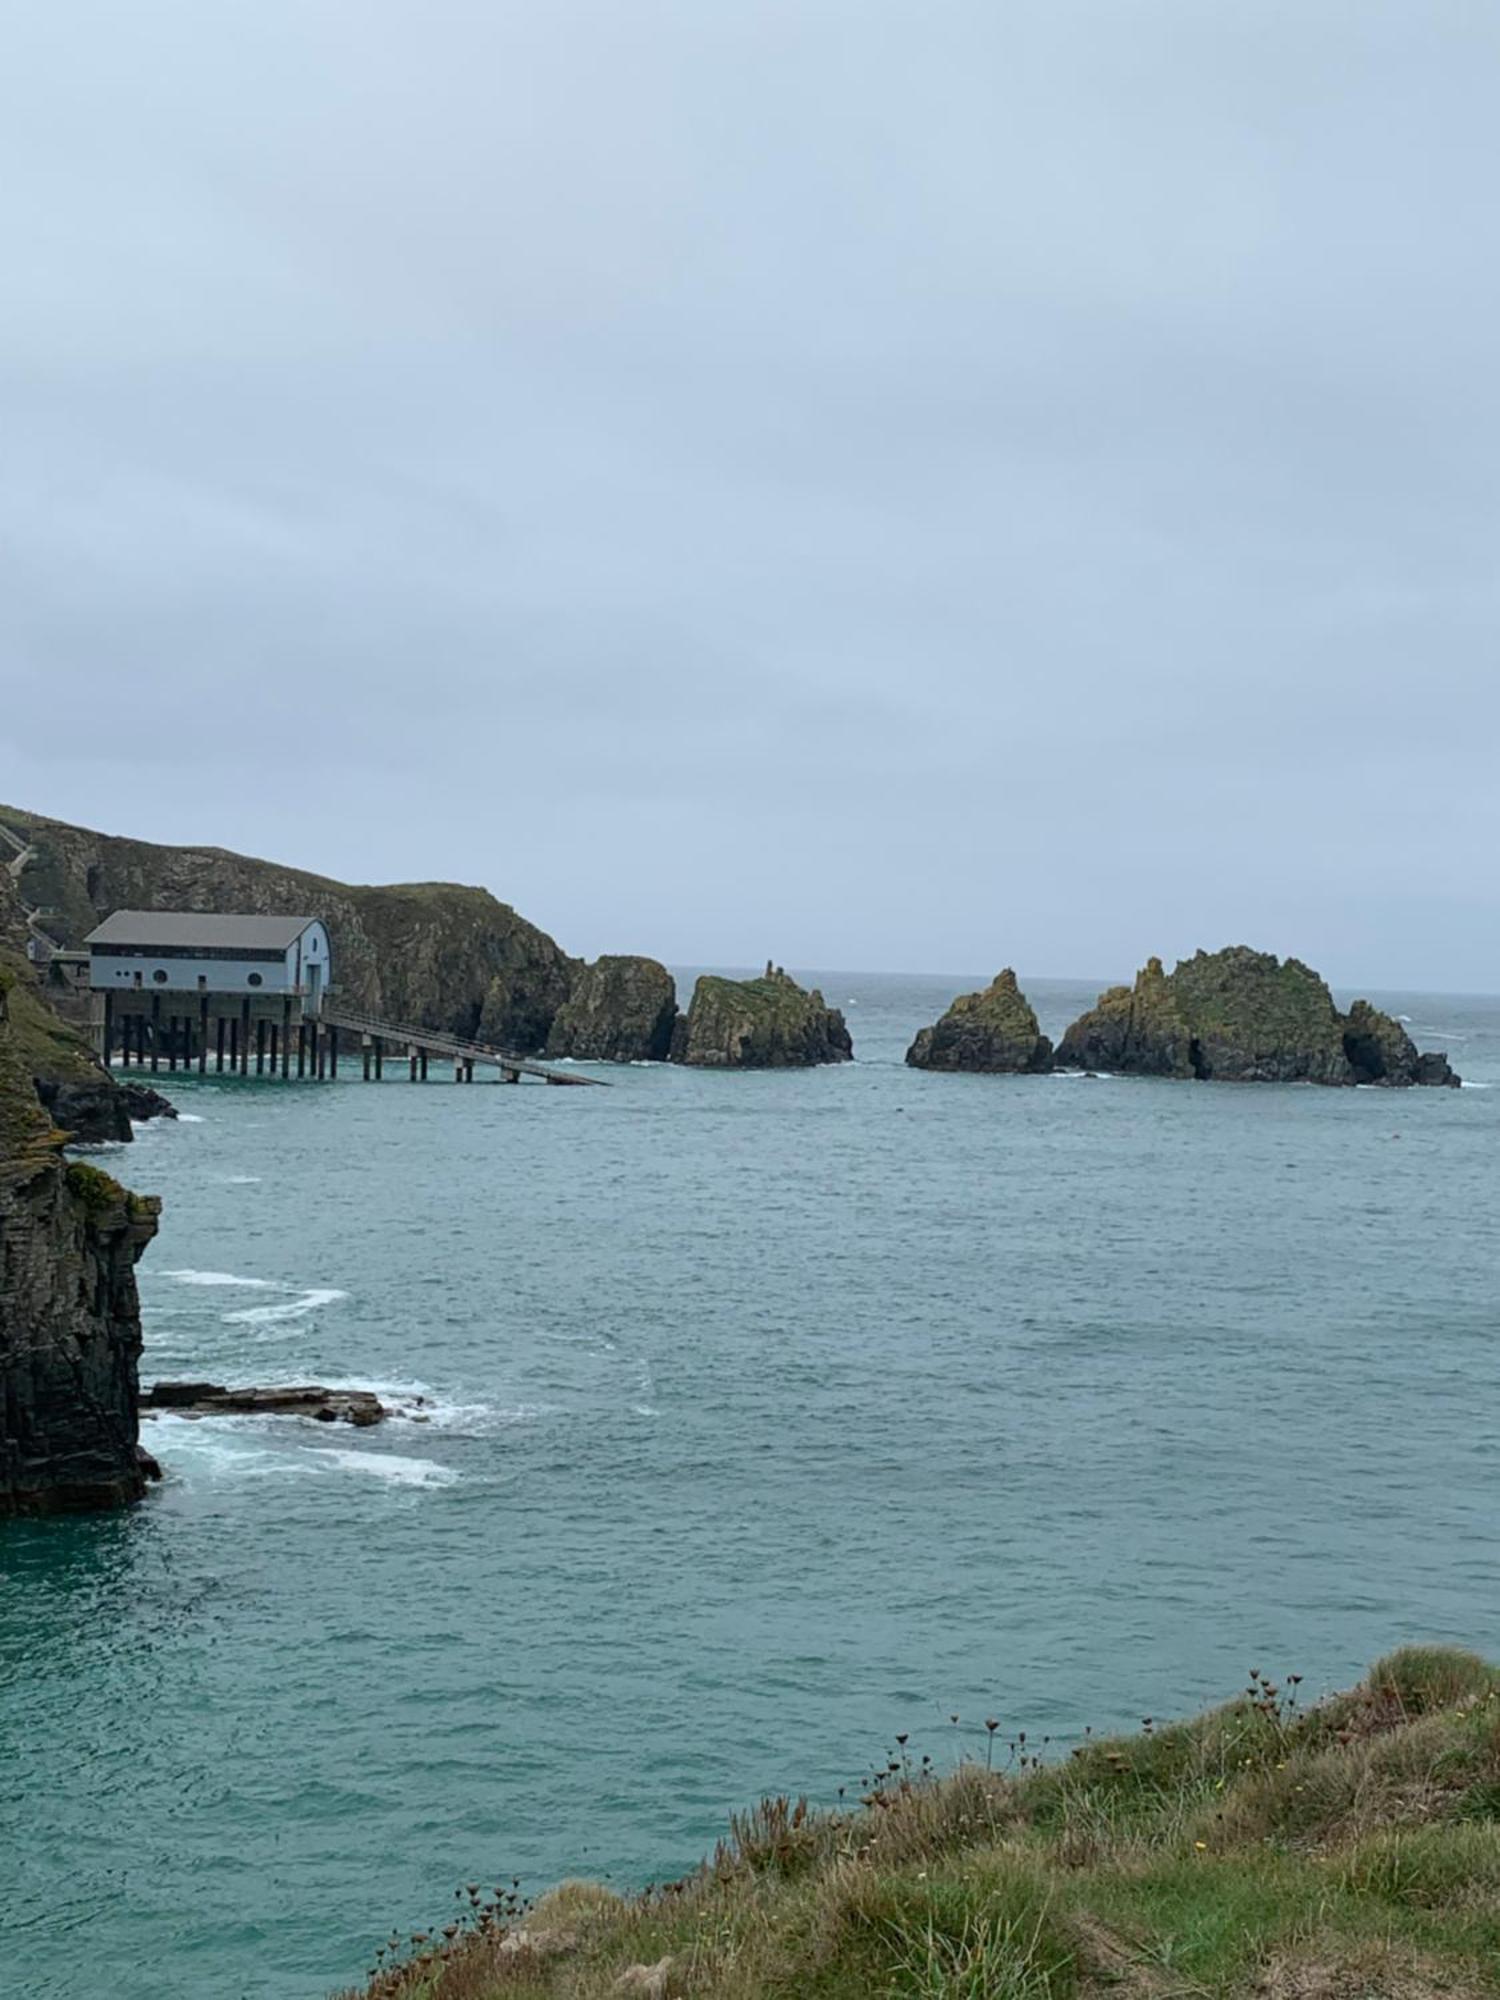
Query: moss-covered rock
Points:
[1132, 1030]
[1243, 1016]
[1256, 1018]
[994, 1032]
[765, 1023]
[620, 1010]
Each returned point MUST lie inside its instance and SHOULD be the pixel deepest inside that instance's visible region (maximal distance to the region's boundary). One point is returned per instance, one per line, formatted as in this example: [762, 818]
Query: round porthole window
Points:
[254, 979]
[160, 978]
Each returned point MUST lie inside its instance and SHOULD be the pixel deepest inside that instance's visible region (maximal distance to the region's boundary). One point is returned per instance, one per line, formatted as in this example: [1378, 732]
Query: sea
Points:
[747, 1420]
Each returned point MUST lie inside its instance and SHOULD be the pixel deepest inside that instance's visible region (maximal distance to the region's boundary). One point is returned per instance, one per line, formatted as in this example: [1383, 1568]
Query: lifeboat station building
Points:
[198, 989]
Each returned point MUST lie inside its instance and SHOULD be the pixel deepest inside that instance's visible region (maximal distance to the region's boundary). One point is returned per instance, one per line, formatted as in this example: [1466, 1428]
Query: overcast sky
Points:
[910, 486]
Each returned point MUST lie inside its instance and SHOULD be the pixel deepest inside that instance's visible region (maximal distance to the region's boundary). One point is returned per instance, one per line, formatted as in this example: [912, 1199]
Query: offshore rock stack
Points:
[1231, 1016]
[765, 1023]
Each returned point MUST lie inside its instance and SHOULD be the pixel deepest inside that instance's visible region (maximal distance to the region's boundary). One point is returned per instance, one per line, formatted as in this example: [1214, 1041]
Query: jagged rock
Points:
[620, 1010]
[1246, 1017]
[1434, 1068]
[434, 954]
[765, 1023]
[360, 1407]
[70, 1325]
[993, 1031]
[1133, 1031]
[1380, 1051]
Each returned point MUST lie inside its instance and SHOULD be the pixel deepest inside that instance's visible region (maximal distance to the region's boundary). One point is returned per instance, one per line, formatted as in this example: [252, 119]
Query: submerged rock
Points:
[620, 1010]
[765, 1023]
[70, 1322]
[360, 1407]
[1243, 1016]
[994, 1032]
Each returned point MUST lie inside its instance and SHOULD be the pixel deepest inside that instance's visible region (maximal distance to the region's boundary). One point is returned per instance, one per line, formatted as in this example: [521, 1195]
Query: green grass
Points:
[1348, 1851]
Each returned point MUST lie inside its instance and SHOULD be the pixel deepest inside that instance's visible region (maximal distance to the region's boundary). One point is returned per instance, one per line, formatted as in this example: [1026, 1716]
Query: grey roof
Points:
[198, 927]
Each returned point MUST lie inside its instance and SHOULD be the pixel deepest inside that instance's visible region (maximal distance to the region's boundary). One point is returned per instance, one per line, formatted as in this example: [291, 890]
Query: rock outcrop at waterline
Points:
[765, 1023]
[1380, 1051]
[360, 1407]
[992, 1032]
[75, 1089]
[1243, 1016]
[620, 1010]
[70, 1326]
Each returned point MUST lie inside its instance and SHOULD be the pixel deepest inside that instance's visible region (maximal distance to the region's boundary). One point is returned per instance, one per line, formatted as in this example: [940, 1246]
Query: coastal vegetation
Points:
[1343, 1850]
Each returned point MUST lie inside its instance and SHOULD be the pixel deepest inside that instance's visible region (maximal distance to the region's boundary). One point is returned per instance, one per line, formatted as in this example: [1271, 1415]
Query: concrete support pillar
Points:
[379, 1058]
[365, 1054]
[411, 1057]
[245, 1036]
[155, 1030]
[107, 1029]
[260, 1048]
[203, 1036]
[286, 1037]
[422, 1063]
[333, 1052]
[219, 1046]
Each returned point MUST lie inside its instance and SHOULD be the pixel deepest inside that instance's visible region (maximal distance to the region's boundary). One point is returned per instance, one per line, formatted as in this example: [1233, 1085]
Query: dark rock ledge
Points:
[360, 1407]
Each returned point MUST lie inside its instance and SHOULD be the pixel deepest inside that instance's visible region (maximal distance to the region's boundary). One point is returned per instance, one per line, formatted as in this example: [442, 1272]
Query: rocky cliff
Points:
[435, 954]
[765, 1023]
[620, 1010]
[70, 1330]
[994, 1031]
[73, 1086]
[1243, 1016]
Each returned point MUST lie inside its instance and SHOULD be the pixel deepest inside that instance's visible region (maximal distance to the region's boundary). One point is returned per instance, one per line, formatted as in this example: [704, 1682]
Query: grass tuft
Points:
[1262, 1851]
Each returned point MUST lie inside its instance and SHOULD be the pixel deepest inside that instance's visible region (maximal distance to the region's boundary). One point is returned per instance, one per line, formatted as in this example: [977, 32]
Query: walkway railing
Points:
[349, 1020]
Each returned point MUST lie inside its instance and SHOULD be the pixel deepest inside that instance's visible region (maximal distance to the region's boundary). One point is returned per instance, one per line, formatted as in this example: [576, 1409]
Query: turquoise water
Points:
[771, 1415]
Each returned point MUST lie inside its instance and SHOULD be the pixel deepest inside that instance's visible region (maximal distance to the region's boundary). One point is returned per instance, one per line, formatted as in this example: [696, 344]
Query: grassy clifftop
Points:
[1349, 1852]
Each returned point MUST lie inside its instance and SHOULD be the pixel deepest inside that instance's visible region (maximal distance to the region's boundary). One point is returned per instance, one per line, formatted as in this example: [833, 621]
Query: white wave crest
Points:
[189, 1277]
[288, 1309]
[385, 1465]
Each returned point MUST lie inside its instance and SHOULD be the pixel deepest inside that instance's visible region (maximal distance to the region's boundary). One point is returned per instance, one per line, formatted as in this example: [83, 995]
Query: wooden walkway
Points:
[417, 1044]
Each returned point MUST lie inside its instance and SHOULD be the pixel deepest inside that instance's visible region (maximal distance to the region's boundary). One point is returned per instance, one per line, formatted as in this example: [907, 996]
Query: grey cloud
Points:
[908, 487]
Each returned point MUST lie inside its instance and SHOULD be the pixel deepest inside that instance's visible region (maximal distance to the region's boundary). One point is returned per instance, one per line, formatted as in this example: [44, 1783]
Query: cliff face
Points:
[765, 1023]
[70, 1329]
[434, 954]
[620, 1010]
[1243, 1016]
[994, 1032]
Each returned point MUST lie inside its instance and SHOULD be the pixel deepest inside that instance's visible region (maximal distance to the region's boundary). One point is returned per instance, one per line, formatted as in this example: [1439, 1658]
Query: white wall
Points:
[220, 975]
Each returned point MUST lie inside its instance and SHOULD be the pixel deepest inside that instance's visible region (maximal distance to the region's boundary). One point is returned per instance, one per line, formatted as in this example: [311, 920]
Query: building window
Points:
[254, 979]
[160, 978]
